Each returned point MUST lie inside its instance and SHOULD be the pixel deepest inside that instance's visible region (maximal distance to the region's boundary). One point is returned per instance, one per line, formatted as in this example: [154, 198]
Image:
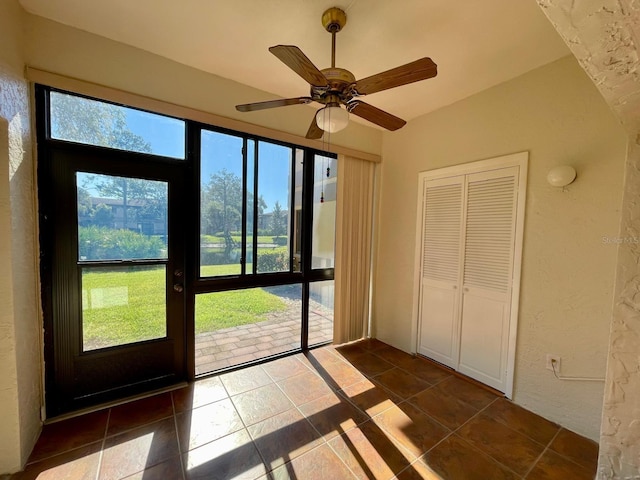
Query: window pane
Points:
[274, 187]
[324, 212]
[240, 326]
[121, 218]
[220, 204]
[297, 219]
[250, 203]
[122, 305]
[93, 122]
[321, 312]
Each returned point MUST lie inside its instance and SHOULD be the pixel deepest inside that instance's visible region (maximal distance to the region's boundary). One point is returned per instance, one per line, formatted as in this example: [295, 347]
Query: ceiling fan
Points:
[334, 86]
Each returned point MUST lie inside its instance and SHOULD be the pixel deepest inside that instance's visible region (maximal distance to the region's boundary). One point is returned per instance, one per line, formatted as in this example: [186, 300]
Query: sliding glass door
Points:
[262, 206]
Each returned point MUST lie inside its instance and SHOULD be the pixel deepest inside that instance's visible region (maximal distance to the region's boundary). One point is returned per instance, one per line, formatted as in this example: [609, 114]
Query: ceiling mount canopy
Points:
[337, 88]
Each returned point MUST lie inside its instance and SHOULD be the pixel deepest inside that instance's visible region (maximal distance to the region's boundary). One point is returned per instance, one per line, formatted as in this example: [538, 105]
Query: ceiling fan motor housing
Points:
[338, 80]
[334, 19]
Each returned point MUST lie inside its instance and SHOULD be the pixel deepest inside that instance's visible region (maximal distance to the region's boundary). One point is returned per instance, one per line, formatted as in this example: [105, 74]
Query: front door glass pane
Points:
[122, 305]
[121, 218]
[274, 188]
[221, 187]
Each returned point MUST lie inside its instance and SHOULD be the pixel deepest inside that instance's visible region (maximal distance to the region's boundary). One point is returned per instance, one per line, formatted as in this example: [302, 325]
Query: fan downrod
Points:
[334, 19]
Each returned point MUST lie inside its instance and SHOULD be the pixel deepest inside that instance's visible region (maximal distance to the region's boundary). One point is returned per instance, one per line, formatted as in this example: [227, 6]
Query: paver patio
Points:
[279, 333]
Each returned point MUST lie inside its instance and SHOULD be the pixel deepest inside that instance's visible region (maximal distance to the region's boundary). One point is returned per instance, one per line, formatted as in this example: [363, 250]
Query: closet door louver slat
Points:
[489, 233]
[441, 234]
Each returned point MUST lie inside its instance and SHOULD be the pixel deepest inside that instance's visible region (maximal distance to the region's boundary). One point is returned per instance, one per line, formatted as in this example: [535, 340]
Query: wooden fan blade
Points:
[375, 115]
[297, 61]
[250, 107]
[403, 75]
[314, 132]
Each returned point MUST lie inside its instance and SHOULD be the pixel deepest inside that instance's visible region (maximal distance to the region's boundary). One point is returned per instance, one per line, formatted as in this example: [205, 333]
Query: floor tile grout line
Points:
[510, 427]
[423, 379]
[506, 424]
[399, 442]
[246, 428]
[297, 407]
[327, 442]
[104, 443]
[340, 457]
[129, 430]
[371, 418]
[478, 450]
[544, 450]
[58, 454]
[267, 465]
[291, 356]
[569, 459]
[485, 453]
[425, 413]
[421, 456]
[475, 414]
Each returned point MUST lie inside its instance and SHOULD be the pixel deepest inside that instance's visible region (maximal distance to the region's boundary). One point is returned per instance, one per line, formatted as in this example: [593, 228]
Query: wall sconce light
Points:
[561, 176]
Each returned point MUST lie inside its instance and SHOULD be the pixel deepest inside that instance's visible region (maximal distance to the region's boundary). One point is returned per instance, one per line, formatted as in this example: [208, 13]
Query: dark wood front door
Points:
[116, 273]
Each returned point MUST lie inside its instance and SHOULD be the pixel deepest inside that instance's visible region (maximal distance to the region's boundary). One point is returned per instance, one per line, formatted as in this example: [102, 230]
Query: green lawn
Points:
[129, 305]
[236, 238]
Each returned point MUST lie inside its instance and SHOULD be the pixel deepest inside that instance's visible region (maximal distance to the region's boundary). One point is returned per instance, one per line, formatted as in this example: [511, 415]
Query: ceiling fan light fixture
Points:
[332, 118]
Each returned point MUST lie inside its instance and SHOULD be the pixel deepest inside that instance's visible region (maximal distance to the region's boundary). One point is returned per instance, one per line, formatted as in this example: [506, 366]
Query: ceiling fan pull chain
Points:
[322, 190]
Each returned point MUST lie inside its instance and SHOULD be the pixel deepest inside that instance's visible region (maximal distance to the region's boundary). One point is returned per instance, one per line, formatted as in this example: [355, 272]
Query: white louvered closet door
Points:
[441, 268]
[468, 231]
[489, 237]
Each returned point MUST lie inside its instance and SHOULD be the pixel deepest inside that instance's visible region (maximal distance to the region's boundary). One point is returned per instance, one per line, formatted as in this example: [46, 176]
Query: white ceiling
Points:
[476, 44]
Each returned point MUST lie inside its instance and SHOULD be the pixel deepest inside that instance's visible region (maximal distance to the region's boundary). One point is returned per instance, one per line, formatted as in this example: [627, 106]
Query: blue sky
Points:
[219, 151]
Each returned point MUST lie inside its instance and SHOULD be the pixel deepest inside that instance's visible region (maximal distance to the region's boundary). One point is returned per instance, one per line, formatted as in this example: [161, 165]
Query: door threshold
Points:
[113, 403]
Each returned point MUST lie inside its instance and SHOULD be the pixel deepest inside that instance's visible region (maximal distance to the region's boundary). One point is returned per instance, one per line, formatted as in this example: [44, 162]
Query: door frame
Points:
[521, 160]
[62, 339]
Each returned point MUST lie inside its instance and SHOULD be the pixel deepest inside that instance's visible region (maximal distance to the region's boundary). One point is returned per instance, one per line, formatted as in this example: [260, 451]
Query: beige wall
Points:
[20, 346]
[64, 50]
[556, 114]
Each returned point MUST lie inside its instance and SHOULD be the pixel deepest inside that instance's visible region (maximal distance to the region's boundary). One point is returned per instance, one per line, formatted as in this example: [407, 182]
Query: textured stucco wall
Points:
[620, 435]
[556, 114]
[9, 430]
[20, 345]
[603, 36]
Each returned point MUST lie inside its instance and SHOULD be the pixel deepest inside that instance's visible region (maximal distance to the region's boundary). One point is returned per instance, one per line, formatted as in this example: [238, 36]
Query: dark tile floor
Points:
[362, 410]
